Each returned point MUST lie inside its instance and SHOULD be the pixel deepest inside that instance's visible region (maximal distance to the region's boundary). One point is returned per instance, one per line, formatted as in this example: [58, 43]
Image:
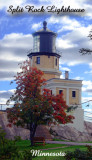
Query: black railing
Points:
[3, 106]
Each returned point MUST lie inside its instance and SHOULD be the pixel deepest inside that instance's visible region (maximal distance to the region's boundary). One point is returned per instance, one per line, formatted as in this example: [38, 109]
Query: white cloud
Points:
[62, 76]
[14, 49]
[89, 115]
[88, 8]
[3, 101]
[59, 3]
[82, 4]
[70, 44]
[7, 3]
[74, 62]
[78, 78]
[16, 39]
[87, 83]
[3, 105]
[83, 89]
[5, 95]
[89, 110]
[65, 69]
[65, 23]
[88, 72]
[5, 92]
[90, 65]
[87, 86]
[90, 94]
[35, 26]
[85, 99]
[64, 44]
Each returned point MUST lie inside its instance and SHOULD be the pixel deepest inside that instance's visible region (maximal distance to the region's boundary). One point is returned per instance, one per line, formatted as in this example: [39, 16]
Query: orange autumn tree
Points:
[34, 105]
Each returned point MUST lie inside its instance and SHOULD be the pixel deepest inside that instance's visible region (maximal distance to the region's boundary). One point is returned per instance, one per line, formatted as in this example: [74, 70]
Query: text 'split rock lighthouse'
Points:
[45, 58]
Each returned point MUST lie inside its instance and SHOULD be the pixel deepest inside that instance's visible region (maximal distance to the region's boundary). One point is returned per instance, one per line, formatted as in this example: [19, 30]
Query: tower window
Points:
[38, 60]
[60, 91]
[73, 94]
[36, 44]
[56, 62]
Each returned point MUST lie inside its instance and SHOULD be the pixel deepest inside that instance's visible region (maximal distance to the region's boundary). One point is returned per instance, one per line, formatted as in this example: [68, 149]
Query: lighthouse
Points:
[45, 58]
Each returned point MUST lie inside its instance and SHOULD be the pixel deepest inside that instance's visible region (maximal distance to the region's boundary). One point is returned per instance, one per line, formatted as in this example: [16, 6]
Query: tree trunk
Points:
[32, 133]
[31, 139]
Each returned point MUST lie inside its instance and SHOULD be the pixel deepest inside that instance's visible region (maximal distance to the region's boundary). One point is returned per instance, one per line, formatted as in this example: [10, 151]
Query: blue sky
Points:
[72, 29]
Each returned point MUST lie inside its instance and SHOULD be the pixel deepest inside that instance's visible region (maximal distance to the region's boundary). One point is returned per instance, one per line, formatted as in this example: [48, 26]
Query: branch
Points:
[71, 108]
[90, 35]
[84, 51]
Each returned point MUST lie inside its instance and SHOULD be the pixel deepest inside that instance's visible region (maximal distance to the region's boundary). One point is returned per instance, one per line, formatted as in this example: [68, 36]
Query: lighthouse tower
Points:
[45, 58]
[44, 54]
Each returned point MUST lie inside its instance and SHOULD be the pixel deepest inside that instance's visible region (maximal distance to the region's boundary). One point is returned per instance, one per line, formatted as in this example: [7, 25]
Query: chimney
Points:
[66, 74]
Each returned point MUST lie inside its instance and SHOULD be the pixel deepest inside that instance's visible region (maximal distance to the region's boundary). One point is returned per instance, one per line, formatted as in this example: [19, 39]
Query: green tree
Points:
[8, 149]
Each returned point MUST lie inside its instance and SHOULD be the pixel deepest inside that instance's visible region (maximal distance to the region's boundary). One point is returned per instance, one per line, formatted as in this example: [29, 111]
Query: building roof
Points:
[64, 79]
[44, 30]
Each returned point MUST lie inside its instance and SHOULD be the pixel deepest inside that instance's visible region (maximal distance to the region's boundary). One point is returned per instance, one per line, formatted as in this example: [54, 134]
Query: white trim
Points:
[51, 71]
[67, 96]
[79, 96]
[54, 91]
[74, 85]
[60, 86]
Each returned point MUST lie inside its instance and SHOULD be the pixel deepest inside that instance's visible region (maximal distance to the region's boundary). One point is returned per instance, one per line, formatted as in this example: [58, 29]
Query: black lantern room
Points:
[44, 41]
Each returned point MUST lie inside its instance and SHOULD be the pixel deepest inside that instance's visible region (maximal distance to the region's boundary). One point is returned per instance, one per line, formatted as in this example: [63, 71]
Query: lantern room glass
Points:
[36, 44]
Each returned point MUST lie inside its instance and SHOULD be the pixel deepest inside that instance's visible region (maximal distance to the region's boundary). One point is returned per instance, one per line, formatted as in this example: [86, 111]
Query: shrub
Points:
[27, 155]
[79, 155]
[9, 151]
[17, 138]
[89, 151]
[7, 147]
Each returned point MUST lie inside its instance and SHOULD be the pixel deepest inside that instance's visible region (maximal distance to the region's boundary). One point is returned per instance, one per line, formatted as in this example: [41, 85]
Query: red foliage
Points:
[34, 105]
[9, 125]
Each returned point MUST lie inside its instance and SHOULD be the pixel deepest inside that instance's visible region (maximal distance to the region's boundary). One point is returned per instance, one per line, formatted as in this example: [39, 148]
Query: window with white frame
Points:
[73, 94]
[60, 91]
[38, 60]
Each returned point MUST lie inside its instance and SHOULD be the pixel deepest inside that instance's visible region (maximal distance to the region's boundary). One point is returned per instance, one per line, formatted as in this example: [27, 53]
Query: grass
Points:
[71, 141]
[49, 158]
[68, 148]
[61, 140]
[25, 144]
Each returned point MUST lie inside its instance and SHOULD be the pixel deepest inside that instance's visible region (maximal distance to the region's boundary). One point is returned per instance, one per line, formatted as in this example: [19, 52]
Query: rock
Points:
[63, 132]
[70, 133]
[41, 131]
[13, 131]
